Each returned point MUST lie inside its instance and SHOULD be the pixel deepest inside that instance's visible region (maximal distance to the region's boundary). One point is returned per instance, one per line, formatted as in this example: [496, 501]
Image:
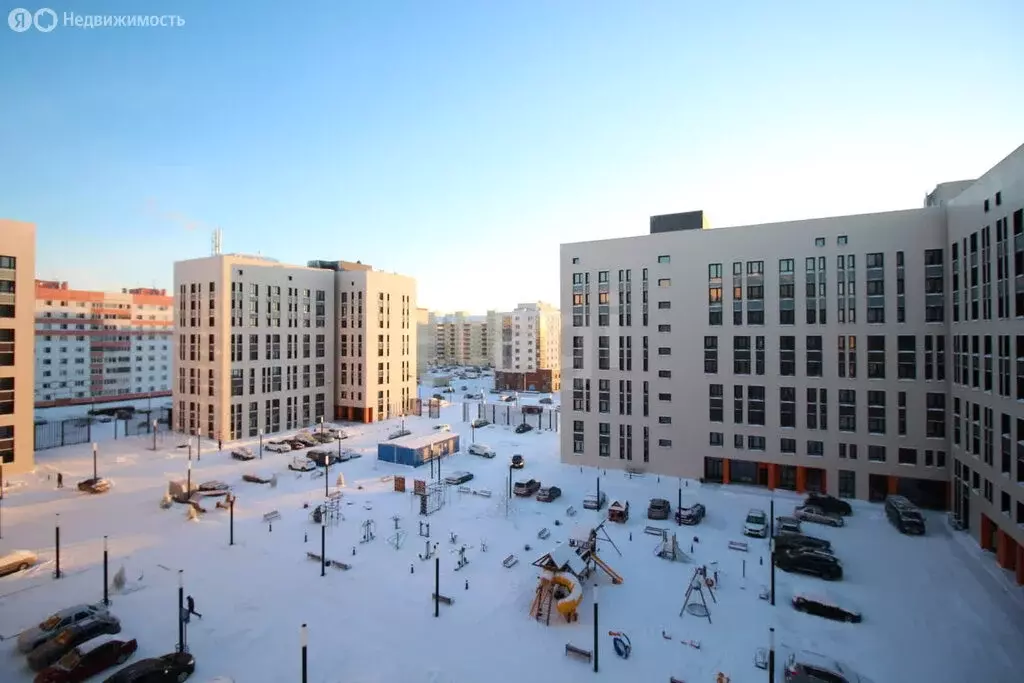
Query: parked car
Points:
[518, 462]
[508, 399]
[756, 524]
[810, 513]
[463, 387]
[807, 561]
[549, 494]
[278, 447]
[830, 504]
[811, 667]
[213, 485]
[821, 606]
[101, 623]
[785, 540]
[175, 667]
[659, 508]
[31, 638]
[481, 450]
[88, 659]
[533, 410]
[296, 445]
[437, 397]
[594, 501]
[456, 478]
[322, 458]
[478, 423]
[546, 401]
[443, 428]
[787, 524]
[691, 515]
[95, 485]
[17, 561]
[323, 437]
[904, 515]
[526, 488]
[306, 438]
[523, 427]
[301, 463]
[242, 453]
[338, 434]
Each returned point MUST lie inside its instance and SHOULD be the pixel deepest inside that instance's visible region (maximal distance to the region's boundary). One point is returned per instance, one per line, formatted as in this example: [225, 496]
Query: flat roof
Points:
[422, 441]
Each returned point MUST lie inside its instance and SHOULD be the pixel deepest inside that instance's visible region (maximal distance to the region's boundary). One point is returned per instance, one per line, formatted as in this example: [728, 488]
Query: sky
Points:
[461, 142]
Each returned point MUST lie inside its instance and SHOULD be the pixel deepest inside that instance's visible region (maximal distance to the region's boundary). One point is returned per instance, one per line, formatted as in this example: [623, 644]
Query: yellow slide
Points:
[567, 606]
[616, 579]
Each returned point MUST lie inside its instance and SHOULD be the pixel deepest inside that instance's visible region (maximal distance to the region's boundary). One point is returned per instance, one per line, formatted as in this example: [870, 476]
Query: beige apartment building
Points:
[96, 347]
[859, 355]
[17, 302]
[461, 338]
[527, 348]
[262, 346]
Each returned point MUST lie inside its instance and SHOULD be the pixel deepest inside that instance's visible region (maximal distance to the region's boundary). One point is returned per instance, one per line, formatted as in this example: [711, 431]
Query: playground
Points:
[484, 579]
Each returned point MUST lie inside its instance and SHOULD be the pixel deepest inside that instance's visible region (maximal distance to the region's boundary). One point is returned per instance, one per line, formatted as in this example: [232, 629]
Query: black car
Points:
[784, 541]
[322, 458]
[690, 515]
[518, 462]
[175, 667]
[102, 623]
[829, 504]
[904, 515]
[813, 562]
[523, 427]
[822, 607]
[94, 485]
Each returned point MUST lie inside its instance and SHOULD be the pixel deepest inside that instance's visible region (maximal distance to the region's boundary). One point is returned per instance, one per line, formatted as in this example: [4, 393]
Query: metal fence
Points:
[433, 409]
[57, 433]
[538, 417]
[75, 430]
[141, 421]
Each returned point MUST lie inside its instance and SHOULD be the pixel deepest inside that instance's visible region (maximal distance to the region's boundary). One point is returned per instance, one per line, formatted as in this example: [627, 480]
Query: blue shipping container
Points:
[414, 451]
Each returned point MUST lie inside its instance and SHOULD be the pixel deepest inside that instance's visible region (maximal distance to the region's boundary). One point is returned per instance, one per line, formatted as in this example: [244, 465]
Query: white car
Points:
[301, 463]
[443, 427]
[756, 523]
[242, 453]
[17, 561]
[482, 450]
[277, 447]
[338, 434]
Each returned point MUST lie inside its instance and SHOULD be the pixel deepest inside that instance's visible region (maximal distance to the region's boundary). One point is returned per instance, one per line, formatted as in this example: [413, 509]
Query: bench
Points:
[571, 649]
[339, 565]
[312, 556]
[570, 511]
[655, 531]
[510, 561]
[543, 533]
[738, 545]
[465, 489]
[442, 598]
[761, 658]
[485, 493]
[271, 516]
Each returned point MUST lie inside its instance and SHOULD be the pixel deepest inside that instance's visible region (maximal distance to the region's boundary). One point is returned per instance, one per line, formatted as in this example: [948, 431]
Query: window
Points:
[876, 357]
[787, 446]
[577, 353]
[876, 412]
[815, 449]
[787, 407]
[906, 357]
[814, 356]
[737, 404]
[604, 396]
[577, 436]
[711, 355]
[841, 240]
[906, 456]
[741, 355]
[604, 439]
[604, 353]
[664, 259]
[935, 415]
[716, 439]
[755, 405]
[876, 453]
[847, 410]
[787, 356]
[716, 403]
[664, 282]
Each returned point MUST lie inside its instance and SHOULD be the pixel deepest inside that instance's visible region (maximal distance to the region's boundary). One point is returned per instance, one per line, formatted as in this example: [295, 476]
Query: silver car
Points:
[31, 638]
[811, 667]
[810, 513]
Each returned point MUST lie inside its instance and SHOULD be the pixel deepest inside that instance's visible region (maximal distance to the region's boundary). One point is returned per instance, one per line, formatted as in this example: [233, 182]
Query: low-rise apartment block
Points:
[97, 347]
[461, 338]
[17, 274]
[527, 350]
[262, 346]
[860, 355]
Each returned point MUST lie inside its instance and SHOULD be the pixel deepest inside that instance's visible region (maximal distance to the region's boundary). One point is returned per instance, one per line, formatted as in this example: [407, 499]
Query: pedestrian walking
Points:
[60, 480]
[191, 603]
[220, 444]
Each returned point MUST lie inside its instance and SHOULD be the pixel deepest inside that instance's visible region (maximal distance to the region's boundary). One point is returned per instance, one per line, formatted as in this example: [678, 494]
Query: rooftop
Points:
[421, 440]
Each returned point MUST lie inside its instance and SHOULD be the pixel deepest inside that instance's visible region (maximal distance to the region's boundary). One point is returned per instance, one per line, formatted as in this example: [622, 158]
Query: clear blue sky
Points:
[461, 141]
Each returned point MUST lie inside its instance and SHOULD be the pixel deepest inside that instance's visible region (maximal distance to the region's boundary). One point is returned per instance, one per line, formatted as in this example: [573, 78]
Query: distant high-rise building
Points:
[527, 348]
[460, 338]
[17, 273]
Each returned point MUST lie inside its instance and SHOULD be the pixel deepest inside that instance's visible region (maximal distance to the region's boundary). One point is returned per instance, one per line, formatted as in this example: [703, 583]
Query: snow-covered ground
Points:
[931, 612]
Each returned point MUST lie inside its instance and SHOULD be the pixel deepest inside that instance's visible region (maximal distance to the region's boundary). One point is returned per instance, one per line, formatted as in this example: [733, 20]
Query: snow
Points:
[934, 610]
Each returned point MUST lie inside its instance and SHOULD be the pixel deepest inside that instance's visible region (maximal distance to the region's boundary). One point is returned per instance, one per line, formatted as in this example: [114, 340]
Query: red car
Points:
[88, 659]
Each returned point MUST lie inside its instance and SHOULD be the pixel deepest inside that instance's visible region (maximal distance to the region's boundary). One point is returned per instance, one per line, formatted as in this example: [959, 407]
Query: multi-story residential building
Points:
[374, 342]
[265, 346]
[527, 353]
[95, 347]
[461, 339]
[17, 273]
[825, 354]
[426, 345]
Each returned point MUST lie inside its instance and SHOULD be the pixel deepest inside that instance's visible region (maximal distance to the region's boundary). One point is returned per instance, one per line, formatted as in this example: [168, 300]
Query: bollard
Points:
[467, 584]
[761, 561]
[412, 569]
[305, 537]
[270, 527]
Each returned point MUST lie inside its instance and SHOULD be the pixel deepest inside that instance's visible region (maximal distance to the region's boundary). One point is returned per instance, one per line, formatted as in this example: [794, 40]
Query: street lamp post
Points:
[323, 542]
[261, 444]
[597, 640]
[771, 549]
[771, 655]
[56, 539]
[95, 448]
[154, 435]
[181, 610]
[1, 499]
[231, 512]
[327, 471]
[305, 644]
[188, 484]
[106, 594]
[199, 447]
[321, 426]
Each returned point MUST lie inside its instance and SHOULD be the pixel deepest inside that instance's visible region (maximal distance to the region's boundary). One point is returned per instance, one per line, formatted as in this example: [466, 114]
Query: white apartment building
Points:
[527, 350]
[265, 346]
[17, 273]
[860, 355]
[96, 347]
[426, 345]
[461, 338]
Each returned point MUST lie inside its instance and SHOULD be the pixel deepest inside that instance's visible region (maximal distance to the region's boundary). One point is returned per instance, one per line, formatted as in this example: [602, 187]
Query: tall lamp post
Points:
[771, 550]
[323, 542]
[188, 484]
[106, 584]
[95, 448]
[154, 435]
[199, 447]
[181, 610]
[261, 444]
[321, 426]
[327, 471]
[304, 639]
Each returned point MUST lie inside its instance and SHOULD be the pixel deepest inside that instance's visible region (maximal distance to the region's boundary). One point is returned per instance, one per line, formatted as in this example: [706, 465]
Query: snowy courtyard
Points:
[932, 613]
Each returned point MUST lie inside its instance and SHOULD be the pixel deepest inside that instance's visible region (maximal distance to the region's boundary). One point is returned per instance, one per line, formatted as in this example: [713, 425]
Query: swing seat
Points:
[622, 648]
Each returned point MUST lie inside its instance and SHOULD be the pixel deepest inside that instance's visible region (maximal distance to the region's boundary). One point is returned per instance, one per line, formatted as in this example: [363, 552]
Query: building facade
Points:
[461, 338]
[527, 349]
[425, 342]
[262, 346]
[17, 299]
[97, 347]
[860, 355]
